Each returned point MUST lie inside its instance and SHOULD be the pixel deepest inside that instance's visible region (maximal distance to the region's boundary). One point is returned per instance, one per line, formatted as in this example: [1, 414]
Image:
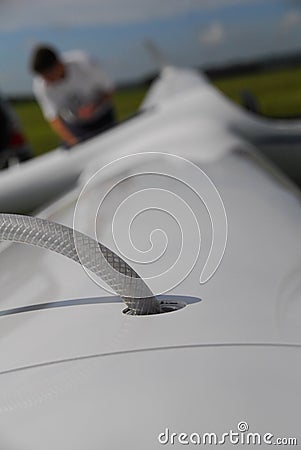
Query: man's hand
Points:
[60, 128]
[101, 100]
[86, 112]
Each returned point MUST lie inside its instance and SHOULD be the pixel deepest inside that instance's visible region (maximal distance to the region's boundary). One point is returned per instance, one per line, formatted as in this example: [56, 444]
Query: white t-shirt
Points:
[84, 79]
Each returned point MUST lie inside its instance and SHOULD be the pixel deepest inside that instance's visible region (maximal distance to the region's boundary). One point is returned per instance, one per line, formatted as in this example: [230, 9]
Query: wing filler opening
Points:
[84, 250]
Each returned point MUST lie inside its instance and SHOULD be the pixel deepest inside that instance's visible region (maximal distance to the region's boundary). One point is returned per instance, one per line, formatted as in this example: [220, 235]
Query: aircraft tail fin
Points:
[160, 59]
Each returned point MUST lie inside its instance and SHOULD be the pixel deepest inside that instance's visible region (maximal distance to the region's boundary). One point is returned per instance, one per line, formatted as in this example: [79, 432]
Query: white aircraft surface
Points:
[214, 231]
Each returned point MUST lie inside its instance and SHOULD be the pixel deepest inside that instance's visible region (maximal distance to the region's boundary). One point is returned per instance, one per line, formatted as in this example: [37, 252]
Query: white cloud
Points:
[291, 19]
[19, 14]
[212, 35]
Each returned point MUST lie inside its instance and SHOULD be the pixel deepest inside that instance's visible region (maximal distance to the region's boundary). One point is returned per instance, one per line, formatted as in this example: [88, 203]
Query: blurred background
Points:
[250, 49]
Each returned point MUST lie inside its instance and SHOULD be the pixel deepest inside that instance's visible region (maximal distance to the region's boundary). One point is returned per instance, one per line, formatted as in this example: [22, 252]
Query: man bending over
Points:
[75, 95]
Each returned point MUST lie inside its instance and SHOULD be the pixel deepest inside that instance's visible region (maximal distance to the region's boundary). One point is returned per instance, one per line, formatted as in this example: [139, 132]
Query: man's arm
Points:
[49, 109]
[60, 128]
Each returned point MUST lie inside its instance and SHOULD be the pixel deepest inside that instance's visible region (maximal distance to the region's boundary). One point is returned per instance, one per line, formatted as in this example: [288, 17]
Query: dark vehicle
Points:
[13, 145]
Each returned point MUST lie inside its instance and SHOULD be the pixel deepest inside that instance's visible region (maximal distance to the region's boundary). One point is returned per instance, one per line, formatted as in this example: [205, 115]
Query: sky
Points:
[189, 33]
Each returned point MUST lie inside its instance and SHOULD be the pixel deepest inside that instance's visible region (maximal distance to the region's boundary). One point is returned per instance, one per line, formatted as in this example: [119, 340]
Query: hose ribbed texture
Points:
[82, 249]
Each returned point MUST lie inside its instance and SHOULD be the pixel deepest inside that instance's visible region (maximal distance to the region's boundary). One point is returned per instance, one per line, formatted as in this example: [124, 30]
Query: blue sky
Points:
[189, 32]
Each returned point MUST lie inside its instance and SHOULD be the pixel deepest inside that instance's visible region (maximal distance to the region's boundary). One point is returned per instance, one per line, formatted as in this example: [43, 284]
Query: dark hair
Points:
[43, 58]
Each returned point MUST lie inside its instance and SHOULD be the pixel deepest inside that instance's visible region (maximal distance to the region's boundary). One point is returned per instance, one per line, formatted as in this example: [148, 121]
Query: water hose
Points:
[84, 250]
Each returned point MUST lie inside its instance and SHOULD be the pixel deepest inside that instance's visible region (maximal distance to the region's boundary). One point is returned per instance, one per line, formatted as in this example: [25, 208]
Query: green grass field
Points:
[278, 93]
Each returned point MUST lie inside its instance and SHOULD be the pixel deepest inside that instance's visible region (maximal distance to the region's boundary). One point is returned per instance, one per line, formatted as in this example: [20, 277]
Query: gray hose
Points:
[81, 248]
